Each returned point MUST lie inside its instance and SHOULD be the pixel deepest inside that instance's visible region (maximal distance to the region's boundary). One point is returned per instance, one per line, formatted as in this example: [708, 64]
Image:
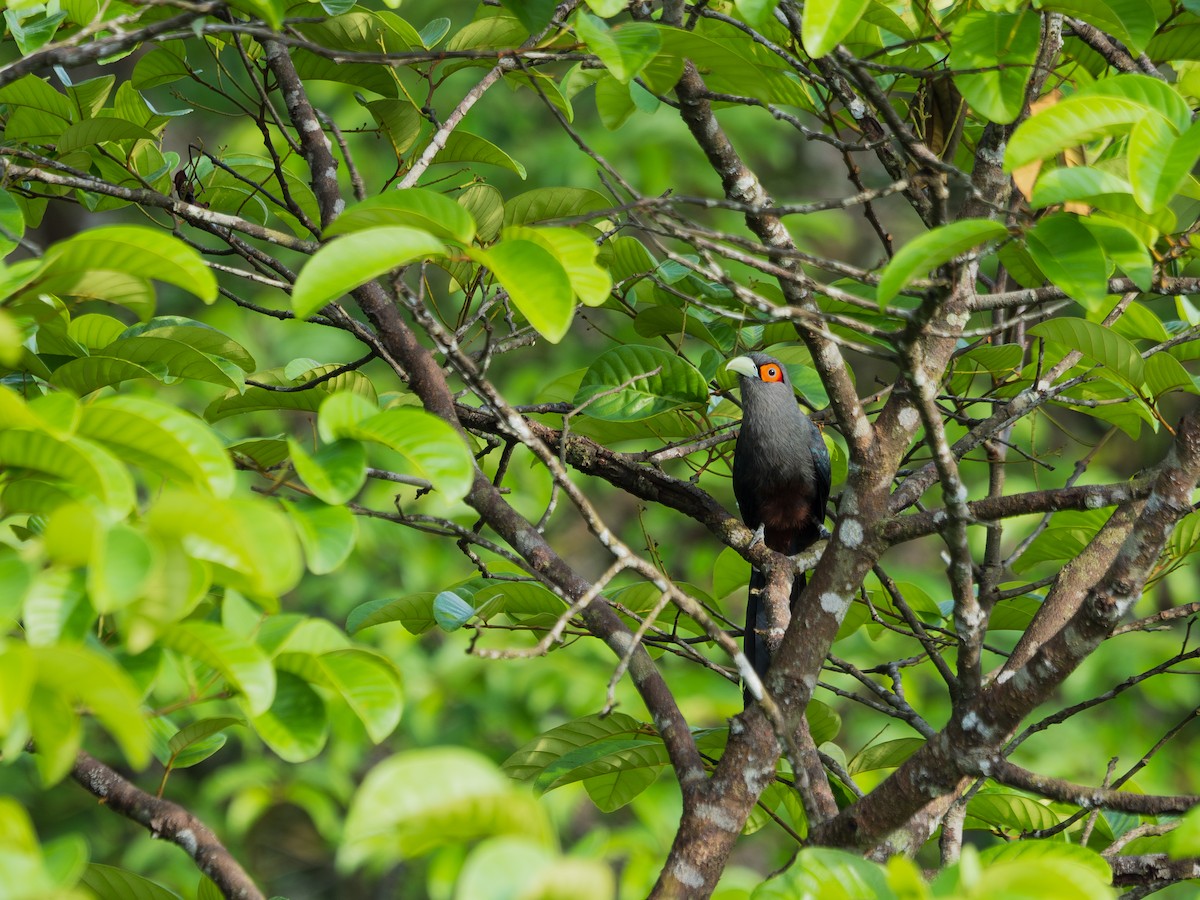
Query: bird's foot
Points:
[759, 536]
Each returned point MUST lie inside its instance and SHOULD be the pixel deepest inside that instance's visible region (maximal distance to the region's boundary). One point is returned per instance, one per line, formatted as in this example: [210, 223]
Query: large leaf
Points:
[296, 725]
[624, 50]
[134, 250]
[76, 461]
[417, 208]
[462, 146]
[932, 249]
[1002, 46]
[1130, 21]
[350, 262]
[827, 22]
[536, 282]
[111, 883]
[1160, 160]
[1097, 343]
[241, 663]
[369, 684]
[431, 447]
[335, 473]
[161, 438]
[576, 253]
[1029, 852]
[417, 801]
[825, 872]
[635, 382]
[1071, 257]
[327, 533]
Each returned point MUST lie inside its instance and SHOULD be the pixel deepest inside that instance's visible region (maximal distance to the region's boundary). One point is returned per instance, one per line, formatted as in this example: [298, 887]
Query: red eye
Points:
[770, 372]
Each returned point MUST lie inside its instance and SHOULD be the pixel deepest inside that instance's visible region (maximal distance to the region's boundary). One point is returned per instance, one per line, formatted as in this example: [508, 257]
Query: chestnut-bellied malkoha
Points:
[781, 479]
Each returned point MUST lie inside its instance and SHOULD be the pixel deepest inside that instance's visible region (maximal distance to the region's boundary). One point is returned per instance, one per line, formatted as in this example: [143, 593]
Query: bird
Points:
[781, 480]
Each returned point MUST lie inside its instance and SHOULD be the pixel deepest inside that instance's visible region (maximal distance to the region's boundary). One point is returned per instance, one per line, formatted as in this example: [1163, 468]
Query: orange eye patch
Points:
[770, 372]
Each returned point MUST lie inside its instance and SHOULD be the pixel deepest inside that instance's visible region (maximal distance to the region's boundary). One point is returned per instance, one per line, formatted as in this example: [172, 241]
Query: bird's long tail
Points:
[754, 642]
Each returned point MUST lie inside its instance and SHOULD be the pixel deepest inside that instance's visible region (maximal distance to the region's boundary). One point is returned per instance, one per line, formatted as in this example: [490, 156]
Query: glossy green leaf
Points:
[635, 382]
[256, 399]
[464, 147]
[886, 755]
[933, 248]
[417, 208]
[97, 683]
[827, 22]
[1124, 248]
[1071, 257]
[161, 438]
[1164, 373]
[625, 50]
[327, 533]
[95, 331]
[536, 283]
[250, 539]
[351, 261]
[1097, 343]
[134, 250]
[1002, 45]
[335, 473]
[1075, 121]
[532, 760]
[825, 872]
[97, 131]
[1076, 183]
[91, 373]
[414, 612]
[241, 663]
[1007, 810]
[548, 204]
[431, 447]
[1030, 852]
[12, 223]
[198, 741]
[1160, 160]
[368, 683]
[162, 65]
[111, 883]
[296, 726]
[77, 461]
[120, 564]
[576, 253]
[417, 801]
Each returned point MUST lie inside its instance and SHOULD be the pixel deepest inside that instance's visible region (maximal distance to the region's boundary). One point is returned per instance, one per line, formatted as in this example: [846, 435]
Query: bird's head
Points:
[759, 369]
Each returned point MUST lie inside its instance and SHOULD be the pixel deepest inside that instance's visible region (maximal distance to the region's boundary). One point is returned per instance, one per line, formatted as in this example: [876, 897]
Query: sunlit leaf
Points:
[933, 248]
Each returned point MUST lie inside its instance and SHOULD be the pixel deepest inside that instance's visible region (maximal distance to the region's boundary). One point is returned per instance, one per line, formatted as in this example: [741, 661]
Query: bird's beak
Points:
[743, 365]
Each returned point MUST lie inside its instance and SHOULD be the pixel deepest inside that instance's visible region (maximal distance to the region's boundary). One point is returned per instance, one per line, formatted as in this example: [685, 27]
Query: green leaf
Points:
[618, 385]
[827, 873]
[414, 612]
[161, 438]
[195, 743]
[248, 539]
[12, 224]
[451, 611]
[134, 250]
[1185, 839]
[547, 204]
[162, 65]
[296, 725]
[932, 249]
[1007, 810]
[95, 682]
[1160, 160]
[1076, 183]
[256, 399]
[417, 801]
[463, 146]
[827, 22]
[531, 760]
[1029, 852]
[55, 727]
[119, 566]
[99, 131]
[327, 533]
[417, 208]
[1165, 373]
[535, 281]
[576, 253]
[369, 684]
[1005, 46]
[887, 755]
[1077, 120]
[111, 883]
[624, 50]
[241, 663]
[1097, 343]
[349, 262]
[75, 460]
[1124, 248]
[1071, 257]
[335, 473]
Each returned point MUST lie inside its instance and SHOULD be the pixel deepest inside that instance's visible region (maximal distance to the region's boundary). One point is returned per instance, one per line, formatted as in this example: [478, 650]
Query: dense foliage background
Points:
[366, 526]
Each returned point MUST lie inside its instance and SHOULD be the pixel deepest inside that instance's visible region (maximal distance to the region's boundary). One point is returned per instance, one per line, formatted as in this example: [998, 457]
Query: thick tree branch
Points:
[167, 821]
